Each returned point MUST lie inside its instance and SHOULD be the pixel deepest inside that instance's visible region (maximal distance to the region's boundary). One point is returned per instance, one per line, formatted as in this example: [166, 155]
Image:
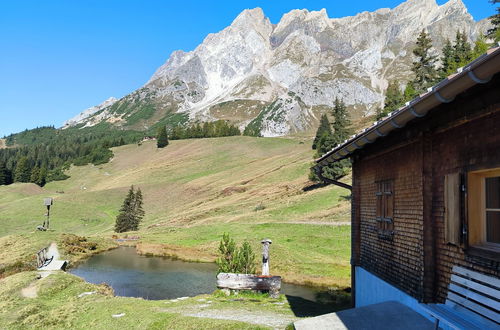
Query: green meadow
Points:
[194, 191]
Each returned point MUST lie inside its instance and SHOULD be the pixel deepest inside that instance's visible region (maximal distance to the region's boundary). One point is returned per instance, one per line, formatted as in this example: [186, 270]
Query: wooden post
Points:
[47, 202]
[265, 256]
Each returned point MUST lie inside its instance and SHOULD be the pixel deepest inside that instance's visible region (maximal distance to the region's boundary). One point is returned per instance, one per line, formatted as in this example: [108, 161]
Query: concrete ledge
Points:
[382, 316]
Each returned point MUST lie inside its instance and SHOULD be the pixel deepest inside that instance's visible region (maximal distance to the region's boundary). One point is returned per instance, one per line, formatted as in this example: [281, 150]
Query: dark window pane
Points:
[493, 226]
[493, 193]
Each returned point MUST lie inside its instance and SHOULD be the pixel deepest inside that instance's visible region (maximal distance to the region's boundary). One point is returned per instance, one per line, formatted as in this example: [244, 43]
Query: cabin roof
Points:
[480, 71]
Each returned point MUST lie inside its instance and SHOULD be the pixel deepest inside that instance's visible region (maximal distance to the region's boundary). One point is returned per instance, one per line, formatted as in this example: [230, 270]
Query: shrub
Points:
[73, 244]
[233, 259]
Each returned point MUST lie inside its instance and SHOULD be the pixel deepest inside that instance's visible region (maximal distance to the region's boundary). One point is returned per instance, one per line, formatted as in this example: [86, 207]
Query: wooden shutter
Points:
[385, 208]
[389, 205]
[452, 208]
[379, 197]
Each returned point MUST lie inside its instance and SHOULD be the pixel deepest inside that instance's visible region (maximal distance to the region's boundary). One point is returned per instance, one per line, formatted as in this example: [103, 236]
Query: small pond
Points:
[133, 275]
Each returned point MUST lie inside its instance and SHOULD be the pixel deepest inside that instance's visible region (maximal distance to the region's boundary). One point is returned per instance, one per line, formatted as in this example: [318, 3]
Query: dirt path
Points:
[245, 314]
[31, 291]
[269, 319]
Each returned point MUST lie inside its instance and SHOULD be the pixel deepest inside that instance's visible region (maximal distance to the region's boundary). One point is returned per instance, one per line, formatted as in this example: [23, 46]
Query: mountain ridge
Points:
[280, 77]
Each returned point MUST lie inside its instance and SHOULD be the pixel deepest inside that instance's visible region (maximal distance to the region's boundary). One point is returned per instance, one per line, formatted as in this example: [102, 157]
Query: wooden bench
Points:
[473, 302]
[46, 261]
[42, 259]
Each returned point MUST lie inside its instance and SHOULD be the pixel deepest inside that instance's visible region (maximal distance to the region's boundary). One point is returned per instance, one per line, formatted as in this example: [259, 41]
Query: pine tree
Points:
[394, 98]
[138, 211]
[125, 219]
[23, 171]
[227, 255]
[494, 32]
[35, 174]
[341, 131]
[42, 178]
[162, 138]
[424, 67]
[4, 175]
[447, 60]
[323, 128]
[462, 50]
[480, 46]
[245, 259]
[342, 123]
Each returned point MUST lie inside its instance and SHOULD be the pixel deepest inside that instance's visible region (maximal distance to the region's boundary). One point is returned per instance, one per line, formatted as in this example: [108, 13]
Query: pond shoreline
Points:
[159, 277]
[170, 251]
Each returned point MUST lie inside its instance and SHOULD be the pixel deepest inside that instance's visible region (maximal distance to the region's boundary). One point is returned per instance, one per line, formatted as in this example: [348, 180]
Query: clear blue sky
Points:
[60, 57]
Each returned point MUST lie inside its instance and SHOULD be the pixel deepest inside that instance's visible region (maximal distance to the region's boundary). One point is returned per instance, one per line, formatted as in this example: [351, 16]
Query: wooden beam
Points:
[249, 282]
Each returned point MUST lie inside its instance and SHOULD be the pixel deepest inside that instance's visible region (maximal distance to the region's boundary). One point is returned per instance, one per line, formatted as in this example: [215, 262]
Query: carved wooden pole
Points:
[265, 256]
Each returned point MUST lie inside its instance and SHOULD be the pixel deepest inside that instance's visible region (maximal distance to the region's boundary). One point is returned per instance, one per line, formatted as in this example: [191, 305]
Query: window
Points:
[385, 208]
[484, 209]
[492, 209]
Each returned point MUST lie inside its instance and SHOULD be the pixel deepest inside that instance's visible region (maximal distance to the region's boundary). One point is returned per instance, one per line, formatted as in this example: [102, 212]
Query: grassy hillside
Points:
[194, 190]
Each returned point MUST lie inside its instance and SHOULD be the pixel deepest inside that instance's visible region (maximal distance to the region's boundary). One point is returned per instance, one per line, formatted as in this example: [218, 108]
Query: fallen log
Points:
[271, 284]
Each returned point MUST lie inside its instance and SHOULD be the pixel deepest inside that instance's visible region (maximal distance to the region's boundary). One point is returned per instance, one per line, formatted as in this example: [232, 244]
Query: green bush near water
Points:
[235, 260]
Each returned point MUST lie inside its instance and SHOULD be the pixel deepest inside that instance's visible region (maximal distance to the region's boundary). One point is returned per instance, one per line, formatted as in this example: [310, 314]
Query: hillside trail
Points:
[272, 319]
[31, 291]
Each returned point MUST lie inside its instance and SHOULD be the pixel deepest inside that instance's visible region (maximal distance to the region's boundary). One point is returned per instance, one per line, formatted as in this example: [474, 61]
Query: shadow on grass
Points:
[306, 308]
[314, 186]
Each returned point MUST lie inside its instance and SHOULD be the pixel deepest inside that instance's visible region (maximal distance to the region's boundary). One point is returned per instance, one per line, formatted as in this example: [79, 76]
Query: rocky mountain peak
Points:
[280, 79]
[89, 112]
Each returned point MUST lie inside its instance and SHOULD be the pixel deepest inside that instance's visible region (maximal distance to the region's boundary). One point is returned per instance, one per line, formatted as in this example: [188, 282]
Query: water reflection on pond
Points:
[133, 275]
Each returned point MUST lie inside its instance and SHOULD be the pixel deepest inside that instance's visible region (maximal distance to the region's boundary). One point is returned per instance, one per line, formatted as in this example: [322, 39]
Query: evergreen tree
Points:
[42, 178]
[162, 138]
[394, 98]
[494, 32]
[462, 50]
[23, 171]
[35, 174]
[138, 211]
[447, 60]
[125, 219]
[424, 66]
[480, 46]
[457, 55]
[323, 129]
[226, 261]
[4, 174]
[342, 123]
[409, 92]
[232, 259]
[252, 130]
[245, 259]
[341, 131]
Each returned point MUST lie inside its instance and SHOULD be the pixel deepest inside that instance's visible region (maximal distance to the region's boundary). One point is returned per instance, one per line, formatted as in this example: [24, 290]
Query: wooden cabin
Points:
[426, 190]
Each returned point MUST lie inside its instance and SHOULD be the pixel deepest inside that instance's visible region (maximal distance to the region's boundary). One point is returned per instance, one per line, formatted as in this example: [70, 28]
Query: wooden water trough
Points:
[231, 281]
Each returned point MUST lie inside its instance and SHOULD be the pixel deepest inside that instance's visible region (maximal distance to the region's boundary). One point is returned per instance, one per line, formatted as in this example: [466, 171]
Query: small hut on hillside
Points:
[426, 189]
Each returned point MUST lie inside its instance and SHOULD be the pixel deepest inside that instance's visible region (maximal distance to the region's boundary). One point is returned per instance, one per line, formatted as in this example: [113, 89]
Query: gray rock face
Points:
[307, 55]
[81, 117]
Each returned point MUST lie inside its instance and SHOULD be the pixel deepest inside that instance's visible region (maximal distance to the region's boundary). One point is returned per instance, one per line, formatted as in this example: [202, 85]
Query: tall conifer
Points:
[4, 175]
[125, 219]
[394, 98]
[162, 138]
[23, 171]
[424, 67]
[323, 129]
[494, 32]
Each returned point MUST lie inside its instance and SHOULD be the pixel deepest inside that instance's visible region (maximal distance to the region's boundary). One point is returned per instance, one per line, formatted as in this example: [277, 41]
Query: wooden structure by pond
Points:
[426, 192]
[262, 283]
[271, 284]
[47, 259]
